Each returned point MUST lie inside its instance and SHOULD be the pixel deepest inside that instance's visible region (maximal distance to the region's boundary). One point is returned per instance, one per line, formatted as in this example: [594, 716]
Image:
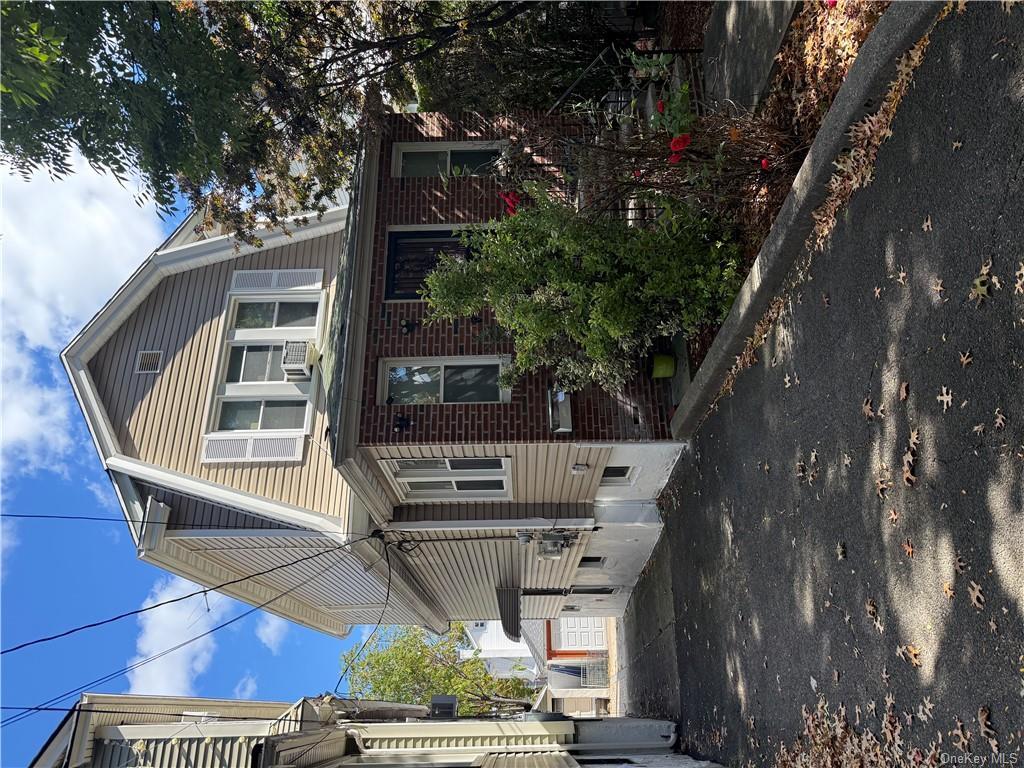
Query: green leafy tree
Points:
[586, 296]
[408, 665]
[246, 109]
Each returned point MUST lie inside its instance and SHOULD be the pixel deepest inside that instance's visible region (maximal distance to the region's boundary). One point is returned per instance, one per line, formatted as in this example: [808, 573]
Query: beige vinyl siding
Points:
[187, 512]
[161, 418]
[322, 584]
[541, 472]
[465, 574]
[488, 510]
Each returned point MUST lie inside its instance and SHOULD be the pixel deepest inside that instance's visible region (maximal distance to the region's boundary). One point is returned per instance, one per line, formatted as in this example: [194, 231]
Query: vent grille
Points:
[149, 361]
[262, 280]
[251, 448]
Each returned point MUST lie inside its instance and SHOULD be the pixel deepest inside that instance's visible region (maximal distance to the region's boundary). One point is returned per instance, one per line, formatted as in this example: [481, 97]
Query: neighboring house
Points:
[503, 657]
[109, 731]
[267, 410]
[575, 662]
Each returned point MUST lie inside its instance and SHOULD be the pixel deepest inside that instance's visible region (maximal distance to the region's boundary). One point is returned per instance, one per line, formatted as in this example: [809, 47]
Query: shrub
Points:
[587, 297]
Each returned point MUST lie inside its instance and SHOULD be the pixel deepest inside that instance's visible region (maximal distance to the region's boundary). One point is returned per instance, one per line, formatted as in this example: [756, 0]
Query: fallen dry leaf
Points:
[937, 287]
[926, 226]
[945, 397]
[961, 737]
[1000, 421]
[894, 516]
[871, 608]
[993, 627]
[979, 289]
[959, 565]
[978, 429]
[966, 359]
[908, 548]
[1018, 287]
[915, 439]
[947, 590]
[882, 485]
[878, 292]
[867, 410]
[976, 595]
[904, 391]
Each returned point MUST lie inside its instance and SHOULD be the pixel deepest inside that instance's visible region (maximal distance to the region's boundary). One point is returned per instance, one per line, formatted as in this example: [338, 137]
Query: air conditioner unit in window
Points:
[298, 359]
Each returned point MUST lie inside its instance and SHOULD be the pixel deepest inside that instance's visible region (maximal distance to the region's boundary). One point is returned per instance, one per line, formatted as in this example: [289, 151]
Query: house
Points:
[504, 658]
[283, 423]
[127, 731]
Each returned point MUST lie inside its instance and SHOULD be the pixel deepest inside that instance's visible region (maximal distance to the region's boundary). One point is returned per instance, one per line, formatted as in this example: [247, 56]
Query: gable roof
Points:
[169, 259]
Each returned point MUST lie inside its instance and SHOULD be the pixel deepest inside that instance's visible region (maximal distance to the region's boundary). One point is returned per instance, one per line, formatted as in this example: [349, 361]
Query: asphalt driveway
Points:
[797, 560]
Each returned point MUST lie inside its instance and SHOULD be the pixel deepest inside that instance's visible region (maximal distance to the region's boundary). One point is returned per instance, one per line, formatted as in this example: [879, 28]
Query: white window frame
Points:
[437, 146]
[619, 482]
[504, 394]
[221, 391]
[401, 477]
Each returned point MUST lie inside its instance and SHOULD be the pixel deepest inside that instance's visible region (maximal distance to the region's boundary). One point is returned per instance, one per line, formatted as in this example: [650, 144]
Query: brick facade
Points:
[639, 413]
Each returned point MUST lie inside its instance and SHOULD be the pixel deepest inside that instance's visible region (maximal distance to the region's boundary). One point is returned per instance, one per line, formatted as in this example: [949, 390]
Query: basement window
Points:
[591, 561]
[618, 475]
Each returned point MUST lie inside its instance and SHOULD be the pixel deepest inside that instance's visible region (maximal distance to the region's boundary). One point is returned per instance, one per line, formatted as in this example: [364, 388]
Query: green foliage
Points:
[526, 64]
[28, 55]
[678, 117]
[407, 665]
[249, 110]
[586, 297]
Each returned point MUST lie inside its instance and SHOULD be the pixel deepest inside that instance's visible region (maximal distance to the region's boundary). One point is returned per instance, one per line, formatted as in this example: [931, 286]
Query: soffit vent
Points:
[149, 361]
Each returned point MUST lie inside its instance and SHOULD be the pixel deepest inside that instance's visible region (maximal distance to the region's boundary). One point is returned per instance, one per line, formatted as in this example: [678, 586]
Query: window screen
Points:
[428, 163]
[471, 384]
[473, 162]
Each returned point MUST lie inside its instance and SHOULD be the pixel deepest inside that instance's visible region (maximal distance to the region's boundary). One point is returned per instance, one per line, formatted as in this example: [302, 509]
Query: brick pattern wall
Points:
[639, 413]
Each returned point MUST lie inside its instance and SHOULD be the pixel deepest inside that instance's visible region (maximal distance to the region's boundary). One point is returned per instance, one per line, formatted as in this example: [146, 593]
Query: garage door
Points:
[579, 633]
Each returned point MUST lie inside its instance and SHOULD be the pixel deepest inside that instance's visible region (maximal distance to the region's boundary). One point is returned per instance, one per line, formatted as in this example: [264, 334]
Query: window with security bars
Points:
[412, 256]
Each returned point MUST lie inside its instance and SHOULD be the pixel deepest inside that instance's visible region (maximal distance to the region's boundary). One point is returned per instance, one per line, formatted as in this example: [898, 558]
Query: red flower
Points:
[831, 3]
[512, 200]
[679, 143]
[637, 173]
[765, 165]
[661, 106]
[675, 158]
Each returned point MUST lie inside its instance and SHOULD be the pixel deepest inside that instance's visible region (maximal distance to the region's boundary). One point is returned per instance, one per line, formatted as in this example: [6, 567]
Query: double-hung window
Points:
[264, 386]
[445, 158]
[450, 479]
[442, 381]
[412, 255]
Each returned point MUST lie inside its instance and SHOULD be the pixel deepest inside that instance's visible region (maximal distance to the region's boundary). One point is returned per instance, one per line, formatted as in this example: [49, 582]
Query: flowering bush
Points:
[585, 297]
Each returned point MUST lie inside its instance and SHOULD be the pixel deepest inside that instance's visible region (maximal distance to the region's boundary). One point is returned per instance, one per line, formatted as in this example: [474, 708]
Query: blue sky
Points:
[67, 246]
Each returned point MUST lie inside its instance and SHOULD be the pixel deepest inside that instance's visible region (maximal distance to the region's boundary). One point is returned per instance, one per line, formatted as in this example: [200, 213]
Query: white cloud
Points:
[175, 674]
[68, 245]
[246, 687]
[8, 541]
[104, 494]
[271, 631]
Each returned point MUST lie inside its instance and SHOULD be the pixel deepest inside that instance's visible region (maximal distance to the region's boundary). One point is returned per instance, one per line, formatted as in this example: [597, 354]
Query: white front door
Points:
[579, 633]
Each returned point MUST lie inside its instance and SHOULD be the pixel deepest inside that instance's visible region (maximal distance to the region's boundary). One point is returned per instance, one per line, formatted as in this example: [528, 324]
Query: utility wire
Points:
[204, 591]
[131, 667]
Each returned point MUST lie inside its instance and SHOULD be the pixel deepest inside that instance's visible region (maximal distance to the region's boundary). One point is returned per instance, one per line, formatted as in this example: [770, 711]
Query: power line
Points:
[387, 599]
[204, 591]
[142, 662]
